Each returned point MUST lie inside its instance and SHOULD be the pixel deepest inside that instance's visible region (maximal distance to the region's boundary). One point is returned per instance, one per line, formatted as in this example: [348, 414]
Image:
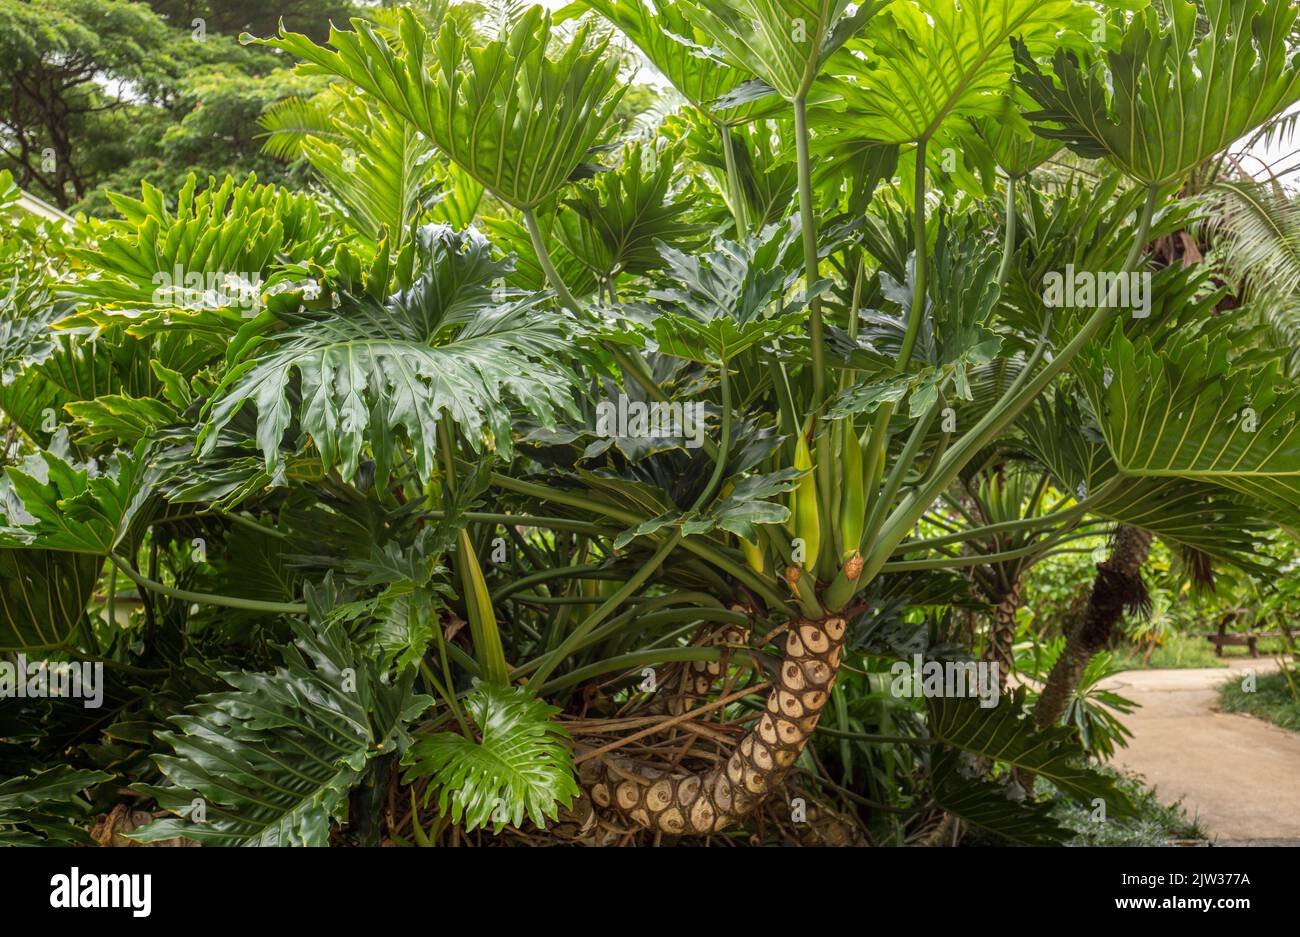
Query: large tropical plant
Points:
[479, 517]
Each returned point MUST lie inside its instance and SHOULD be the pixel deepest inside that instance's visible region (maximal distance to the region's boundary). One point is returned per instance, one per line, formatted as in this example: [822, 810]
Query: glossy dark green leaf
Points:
[271, 759]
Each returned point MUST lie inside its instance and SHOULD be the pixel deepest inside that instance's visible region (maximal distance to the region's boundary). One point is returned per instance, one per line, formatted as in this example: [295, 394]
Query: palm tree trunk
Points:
[1002, 633]
[1116, 588]
[679, 802]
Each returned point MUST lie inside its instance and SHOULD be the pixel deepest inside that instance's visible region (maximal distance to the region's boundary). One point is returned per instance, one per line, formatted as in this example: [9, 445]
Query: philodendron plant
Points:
[652, 447]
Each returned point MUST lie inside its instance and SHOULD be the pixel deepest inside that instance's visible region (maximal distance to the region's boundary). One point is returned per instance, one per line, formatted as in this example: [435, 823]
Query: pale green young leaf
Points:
[519, 766]
[925, 61]
[511, 114]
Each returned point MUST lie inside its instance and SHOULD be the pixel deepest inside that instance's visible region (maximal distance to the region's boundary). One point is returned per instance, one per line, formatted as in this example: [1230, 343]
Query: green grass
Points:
[1179, 651]
[1271, 700]
[1182, 651]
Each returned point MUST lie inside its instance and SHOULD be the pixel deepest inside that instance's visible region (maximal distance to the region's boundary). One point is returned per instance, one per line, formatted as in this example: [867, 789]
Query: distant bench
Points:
[1249, 639]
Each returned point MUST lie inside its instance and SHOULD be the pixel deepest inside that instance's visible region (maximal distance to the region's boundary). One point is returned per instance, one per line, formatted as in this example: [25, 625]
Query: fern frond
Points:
[292, 122]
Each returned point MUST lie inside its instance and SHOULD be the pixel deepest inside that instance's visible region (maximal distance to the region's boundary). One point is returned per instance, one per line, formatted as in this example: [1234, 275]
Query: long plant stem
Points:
[823, 461]
[237, 518]
[873, 462]
[920, 262]
[984, 532]
[904, 462]
[1019, 396]
[528, 520]
[1009, 237]
[111, 600]
[808, 223]
[705, 606]
[546, 575]
[206, 598]
[724, 451]
[448, 698]
[706, 551]
[983, 559]
[739, 210]
[548, 267]
[636, 660]
[648, 569]
[855, 307]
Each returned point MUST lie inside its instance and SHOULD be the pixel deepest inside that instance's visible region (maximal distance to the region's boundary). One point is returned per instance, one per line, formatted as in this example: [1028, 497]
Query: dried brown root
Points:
[947, 832]
[110, 828]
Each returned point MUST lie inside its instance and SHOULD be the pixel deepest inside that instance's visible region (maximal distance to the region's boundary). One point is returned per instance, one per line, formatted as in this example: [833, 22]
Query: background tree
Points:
[72, 68]
[100, 94]
[232, 17]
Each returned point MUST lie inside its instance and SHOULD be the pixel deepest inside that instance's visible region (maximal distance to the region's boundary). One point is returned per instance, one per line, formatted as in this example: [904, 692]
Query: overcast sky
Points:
[1281, 156]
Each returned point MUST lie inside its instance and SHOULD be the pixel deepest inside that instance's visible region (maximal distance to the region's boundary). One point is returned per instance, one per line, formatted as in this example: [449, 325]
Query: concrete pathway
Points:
[1239, 775]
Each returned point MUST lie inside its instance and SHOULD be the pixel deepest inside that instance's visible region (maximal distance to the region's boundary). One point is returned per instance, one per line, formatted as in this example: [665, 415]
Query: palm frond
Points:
[1256, 233]
[290, 123]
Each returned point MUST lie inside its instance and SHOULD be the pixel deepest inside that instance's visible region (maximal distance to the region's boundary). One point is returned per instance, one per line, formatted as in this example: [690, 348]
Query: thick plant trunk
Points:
[1002, 633]
[1116, 588]
[687, 684]
[679, 802]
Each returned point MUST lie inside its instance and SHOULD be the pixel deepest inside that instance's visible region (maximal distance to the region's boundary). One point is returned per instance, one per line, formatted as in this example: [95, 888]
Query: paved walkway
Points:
[1239, 775]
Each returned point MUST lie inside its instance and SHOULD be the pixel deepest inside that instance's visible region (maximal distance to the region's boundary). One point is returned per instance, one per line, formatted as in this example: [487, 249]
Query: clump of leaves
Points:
[270, 761]
[42, 809]
[519, 764]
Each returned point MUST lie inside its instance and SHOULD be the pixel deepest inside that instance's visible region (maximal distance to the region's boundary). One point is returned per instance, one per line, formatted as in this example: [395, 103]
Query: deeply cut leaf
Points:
[521, 765]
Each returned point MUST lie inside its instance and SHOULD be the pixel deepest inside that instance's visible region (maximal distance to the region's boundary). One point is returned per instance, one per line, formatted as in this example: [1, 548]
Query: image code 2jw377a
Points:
[649, 423]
